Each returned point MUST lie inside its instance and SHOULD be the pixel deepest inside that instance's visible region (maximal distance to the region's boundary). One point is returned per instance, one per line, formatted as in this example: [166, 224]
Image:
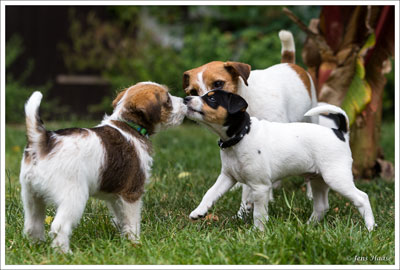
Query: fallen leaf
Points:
[212, 217]
[184, 174]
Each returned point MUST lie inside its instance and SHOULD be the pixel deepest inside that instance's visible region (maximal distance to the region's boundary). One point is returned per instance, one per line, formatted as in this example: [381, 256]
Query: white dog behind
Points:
[280, 93]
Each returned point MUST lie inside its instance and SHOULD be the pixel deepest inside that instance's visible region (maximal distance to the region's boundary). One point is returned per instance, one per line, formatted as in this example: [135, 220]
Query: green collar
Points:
[136, 127]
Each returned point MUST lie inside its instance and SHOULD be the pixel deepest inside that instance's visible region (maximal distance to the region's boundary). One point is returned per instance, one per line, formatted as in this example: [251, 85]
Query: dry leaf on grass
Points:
[184, 174]
[212, 217]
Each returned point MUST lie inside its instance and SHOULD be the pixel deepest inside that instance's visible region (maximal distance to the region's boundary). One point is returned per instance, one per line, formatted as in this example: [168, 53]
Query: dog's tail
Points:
[337, 115]
[35, 130]
[288, 47]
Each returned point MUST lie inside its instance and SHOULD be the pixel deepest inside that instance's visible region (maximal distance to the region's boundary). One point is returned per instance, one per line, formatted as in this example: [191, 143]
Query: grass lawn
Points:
[169, 237]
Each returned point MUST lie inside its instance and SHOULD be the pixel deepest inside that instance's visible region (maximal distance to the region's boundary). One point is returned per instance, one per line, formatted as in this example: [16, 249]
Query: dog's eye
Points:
[218, 84]
[193, 92]
[212, 99]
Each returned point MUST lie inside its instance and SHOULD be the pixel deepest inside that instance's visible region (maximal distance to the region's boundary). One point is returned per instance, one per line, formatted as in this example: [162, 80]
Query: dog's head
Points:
[150, 105]
[215, 75]
[217, 109]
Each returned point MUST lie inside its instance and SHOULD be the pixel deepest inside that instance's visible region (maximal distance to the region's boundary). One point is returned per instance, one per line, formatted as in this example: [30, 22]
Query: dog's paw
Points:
[197, 213]
[61, 246]
[259, 225]
[371, 227]
[34, 235]
[135, 239]
[260, 221]
[244, 211]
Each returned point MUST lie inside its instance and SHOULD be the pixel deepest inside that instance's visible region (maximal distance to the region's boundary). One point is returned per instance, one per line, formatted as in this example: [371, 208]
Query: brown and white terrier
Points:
[281, 93]
[111, 161]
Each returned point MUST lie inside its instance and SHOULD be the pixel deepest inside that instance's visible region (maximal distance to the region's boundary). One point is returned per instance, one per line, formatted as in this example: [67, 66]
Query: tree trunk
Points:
[365, 133]
[343, 39]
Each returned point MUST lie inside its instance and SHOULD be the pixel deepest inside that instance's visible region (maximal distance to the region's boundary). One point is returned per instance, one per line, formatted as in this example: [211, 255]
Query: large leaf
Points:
[359, 92]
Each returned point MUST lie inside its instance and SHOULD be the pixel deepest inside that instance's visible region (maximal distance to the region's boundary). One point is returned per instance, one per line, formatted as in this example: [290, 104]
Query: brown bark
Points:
[365, 133]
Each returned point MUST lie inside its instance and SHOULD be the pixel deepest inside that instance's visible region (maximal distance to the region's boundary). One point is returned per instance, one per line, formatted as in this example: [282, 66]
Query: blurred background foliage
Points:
[16, 89]
[129, 44]
[159, 43]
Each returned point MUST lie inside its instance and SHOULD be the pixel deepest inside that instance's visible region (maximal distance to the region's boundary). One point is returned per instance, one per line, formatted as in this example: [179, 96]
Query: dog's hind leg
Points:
[309, 189]
[68, 214]
[127, 217]
[320, 192]
[246, 204]
[34, 212]
[345, 186]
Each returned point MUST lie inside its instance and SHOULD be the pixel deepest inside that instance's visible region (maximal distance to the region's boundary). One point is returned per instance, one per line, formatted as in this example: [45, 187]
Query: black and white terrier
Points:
[258, 152]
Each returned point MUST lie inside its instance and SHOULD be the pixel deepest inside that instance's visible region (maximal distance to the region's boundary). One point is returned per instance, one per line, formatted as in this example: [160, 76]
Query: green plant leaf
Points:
[359, 92]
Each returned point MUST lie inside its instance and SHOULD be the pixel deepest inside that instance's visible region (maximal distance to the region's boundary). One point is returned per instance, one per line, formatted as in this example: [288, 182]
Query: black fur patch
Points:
[231, 102]
[340, 122]
[339, 134]
[339, 119]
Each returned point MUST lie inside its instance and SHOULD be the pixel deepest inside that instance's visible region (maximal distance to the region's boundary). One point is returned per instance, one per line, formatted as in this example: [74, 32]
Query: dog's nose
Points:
[186, 100]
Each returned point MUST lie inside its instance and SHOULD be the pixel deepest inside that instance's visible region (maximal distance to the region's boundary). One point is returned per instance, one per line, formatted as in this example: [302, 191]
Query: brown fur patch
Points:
[288, 57]
[122, 173]
[146, 105]
[118, 98]
[213, 71]
[217, 116]
[27, 154]
[239, 69]
[166, 108]
[125, 127]
[303, 76]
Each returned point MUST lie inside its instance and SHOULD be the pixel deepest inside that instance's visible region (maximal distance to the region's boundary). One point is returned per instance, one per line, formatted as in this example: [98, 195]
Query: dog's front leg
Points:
[261, 198]
[223, 184]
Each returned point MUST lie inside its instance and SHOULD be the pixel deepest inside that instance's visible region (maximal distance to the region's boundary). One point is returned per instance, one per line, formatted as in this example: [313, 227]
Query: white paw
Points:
[61, 245]
[198, 213]
[244, 210]
[259, 225]
[135, 239]
[371, 226]
[240, 214]
[36, 236]
[259, 222]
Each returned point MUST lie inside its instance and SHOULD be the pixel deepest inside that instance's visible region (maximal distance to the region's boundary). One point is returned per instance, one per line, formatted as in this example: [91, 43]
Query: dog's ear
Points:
[118, 98]
[149, 109]
[186, 79]
[236, 104]
[238, 69]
